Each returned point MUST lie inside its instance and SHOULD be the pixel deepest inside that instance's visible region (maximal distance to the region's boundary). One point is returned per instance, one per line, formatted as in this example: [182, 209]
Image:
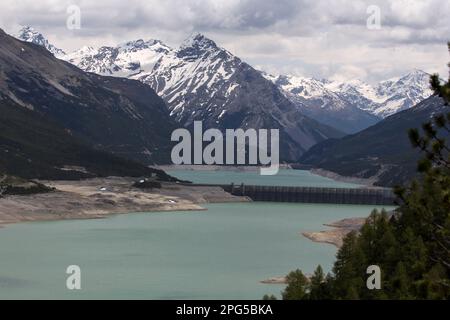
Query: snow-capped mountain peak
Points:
[319, 100]
[401, 93]
[86, 50]
[305, 87]
[332, 101]
[199, 67]
[203, 81]
[416, 79]
[29, 34]
[130, 59]
[197, 46]
[387, 97]
[140, 44]
[199, 42]
[76, 56]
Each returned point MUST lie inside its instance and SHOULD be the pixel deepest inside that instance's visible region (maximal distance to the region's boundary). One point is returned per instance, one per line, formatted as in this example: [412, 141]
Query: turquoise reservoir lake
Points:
[222, 253]
[285, 177]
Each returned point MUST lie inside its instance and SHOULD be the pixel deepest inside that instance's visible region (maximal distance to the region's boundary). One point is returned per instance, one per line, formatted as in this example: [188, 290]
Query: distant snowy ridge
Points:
[199, 67]
[390, 96]
[125, 60]
[314, 99]
[28, 34]
[382, 100]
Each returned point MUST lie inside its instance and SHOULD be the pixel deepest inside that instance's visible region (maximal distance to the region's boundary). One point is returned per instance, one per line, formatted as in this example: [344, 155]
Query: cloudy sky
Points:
[317, 38]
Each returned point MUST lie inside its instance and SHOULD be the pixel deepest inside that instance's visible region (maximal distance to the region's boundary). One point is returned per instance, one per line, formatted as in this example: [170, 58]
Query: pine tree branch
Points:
[439, 260]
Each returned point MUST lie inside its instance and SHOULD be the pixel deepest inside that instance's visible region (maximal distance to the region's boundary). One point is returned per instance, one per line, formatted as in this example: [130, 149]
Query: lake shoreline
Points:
[99, 198]
[336, 235]
[102, 197]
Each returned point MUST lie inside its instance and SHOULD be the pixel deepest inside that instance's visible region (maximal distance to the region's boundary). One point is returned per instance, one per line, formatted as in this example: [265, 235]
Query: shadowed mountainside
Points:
[121, 116]
[34, 147]
[382, 152]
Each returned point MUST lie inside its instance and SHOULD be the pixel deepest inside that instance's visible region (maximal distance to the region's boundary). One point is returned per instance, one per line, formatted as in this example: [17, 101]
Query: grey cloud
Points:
[303, 35]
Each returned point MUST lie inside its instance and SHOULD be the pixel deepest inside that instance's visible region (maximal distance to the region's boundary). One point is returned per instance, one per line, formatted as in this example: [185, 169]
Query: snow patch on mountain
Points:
[388, 97]
[129, 59]
[316, 99]
[306, 90]
[382, 100]
[29, 34]
[198, 68]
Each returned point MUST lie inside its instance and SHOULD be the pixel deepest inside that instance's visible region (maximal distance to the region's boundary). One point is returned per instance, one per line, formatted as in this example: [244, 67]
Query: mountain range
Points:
[387, 97]
[315, 100]
[354, 105]
[382, 153]
[202, 81]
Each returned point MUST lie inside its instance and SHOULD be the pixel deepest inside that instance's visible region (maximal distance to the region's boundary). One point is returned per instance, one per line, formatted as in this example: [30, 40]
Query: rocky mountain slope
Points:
[382, 152]
[131, 59]
[387, 97]
[34, 147]
[354, 105]
[117, 115]
[315, 100]
[203, 82]
[29, 34]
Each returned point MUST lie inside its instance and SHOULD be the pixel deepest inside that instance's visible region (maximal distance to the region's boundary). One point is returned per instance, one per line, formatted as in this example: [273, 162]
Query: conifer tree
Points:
[318, 289]
[297, 288]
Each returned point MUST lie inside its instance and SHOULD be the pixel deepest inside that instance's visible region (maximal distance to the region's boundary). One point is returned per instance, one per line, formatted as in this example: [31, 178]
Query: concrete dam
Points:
[362, 196]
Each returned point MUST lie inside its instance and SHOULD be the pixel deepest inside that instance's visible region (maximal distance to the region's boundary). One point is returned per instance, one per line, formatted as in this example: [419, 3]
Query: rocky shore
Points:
[101, 197]
[339, 230]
